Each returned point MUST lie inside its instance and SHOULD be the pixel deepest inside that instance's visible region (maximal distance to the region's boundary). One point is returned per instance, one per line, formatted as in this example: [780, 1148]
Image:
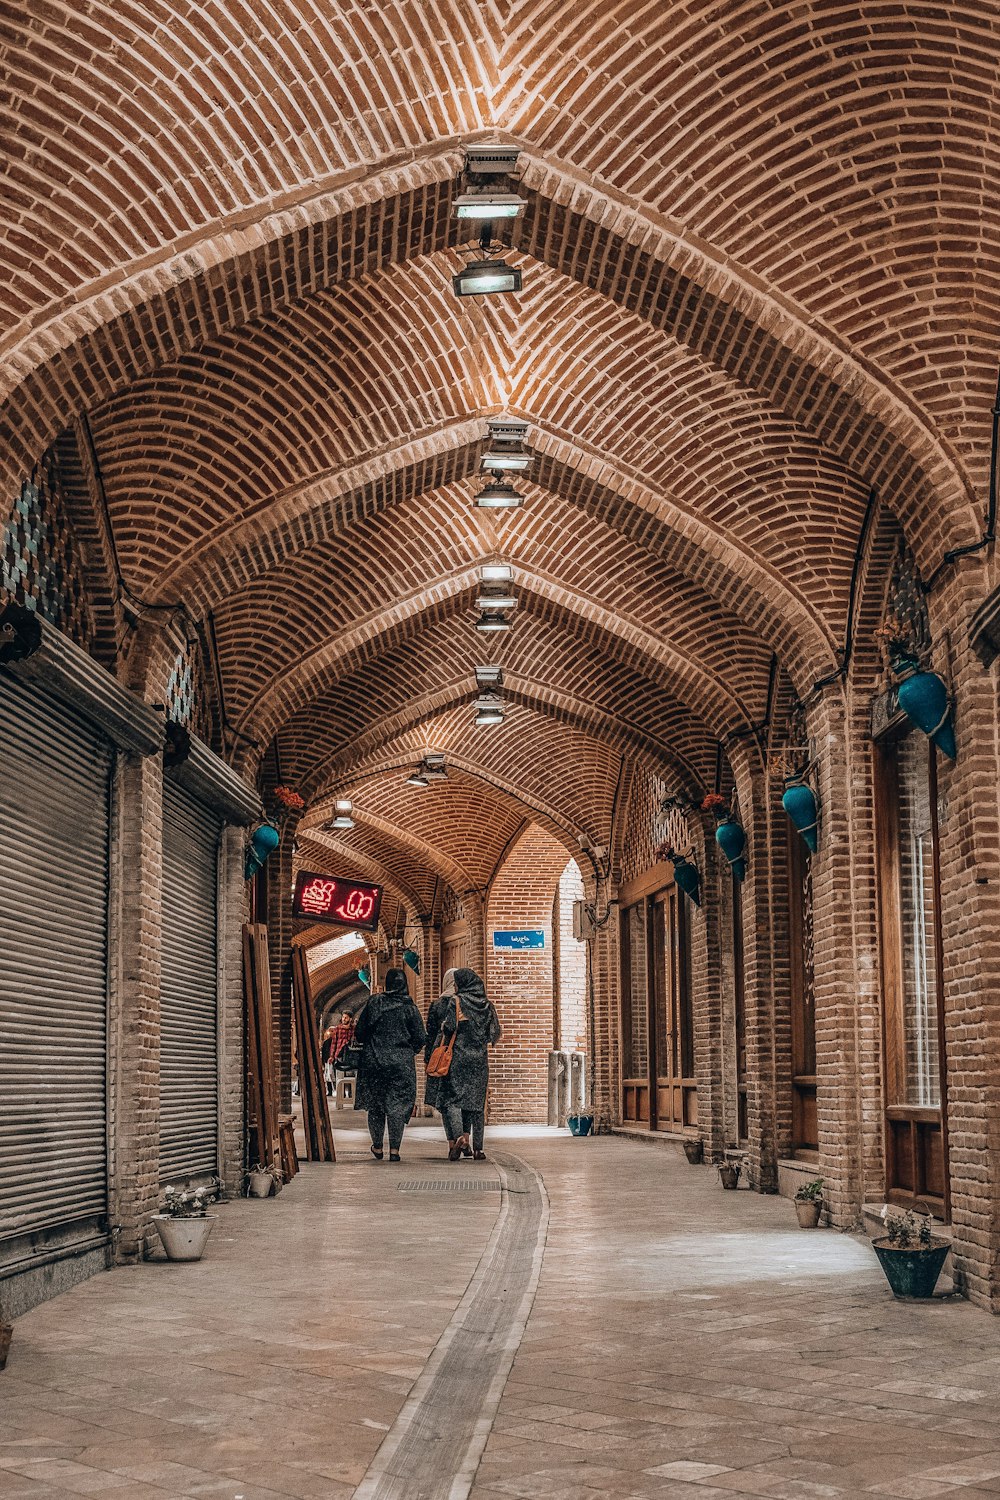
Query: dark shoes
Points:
[480, 1155]
[454, 1151]
[378, 1153]
[394, 1156]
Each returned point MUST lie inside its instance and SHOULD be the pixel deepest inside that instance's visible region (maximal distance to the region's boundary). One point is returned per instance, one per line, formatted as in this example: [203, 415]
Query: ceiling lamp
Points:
[505, 447]
[481, 278]
[499, 495]
[489, 710]
[496, 572]
[491, 159]
[343, 810]
[496, 601]
[417, 778]
[492, 622]
[434, 767]
[489, 677]
[488, 206]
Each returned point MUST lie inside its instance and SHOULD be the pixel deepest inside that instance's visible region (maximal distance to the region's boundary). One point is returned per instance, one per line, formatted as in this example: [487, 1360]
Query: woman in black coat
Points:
[461, 1097]
[390, 1033]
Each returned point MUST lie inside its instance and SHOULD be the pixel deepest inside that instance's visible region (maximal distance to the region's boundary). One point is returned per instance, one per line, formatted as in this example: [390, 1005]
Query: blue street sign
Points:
[518, 942]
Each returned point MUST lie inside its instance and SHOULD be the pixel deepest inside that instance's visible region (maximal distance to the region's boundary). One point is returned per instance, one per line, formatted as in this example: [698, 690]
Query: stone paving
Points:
[683, 1341]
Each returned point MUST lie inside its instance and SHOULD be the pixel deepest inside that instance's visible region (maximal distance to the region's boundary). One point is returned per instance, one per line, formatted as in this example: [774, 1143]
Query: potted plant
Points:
[184, 1223]
[730, 834]
[809, 1202]
[264, 1182]
[908, 1255]
[686, 876]
[729, 1174]
[694, 1150]
[922, 695]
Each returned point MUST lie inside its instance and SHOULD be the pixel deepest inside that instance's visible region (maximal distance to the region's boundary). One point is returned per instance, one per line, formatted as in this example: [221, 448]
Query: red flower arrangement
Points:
[664, 850]
[713, 802]
[289, 798]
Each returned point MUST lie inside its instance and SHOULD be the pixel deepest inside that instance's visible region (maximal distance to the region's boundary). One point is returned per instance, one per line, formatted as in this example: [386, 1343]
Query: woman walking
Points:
[390, 1034]
[463, 1012]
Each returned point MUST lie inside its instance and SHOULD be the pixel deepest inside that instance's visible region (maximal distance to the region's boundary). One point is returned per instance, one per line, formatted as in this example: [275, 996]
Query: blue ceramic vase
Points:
[799, 802]
[732, 840]
[263, 842]
[923, 697]
[687, 878]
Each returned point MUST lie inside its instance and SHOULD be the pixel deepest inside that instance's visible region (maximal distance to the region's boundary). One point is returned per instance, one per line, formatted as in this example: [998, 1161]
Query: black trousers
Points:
[464, 1122]
[376, 1126]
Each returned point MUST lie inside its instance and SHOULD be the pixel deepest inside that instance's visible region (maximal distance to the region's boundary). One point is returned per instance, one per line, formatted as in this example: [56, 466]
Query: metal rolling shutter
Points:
[54, 793]
[189, 1078]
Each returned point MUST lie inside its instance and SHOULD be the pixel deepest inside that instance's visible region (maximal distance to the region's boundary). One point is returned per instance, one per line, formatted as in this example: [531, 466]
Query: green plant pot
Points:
[911, 1273]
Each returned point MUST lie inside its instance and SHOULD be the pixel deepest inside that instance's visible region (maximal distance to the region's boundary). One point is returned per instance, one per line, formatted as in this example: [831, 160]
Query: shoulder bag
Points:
[439, 1062]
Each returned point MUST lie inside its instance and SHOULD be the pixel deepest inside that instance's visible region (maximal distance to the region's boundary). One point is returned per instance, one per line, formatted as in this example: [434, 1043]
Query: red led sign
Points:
[327, 898]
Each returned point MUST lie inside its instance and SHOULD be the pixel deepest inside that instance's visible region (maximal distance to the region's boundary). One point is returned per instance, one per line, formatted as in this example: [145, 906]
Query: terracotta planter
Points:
[911, 1273]
[807, 1211]
[184, 1239]
[261, 1184]
[729, 1174]
[695, 1152]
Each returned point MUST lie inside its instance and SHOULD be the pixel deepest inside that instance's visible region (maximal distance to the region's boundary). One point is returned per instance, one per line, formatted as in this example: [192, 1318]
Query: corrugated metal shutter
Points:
[54, 793]
[189, 1075]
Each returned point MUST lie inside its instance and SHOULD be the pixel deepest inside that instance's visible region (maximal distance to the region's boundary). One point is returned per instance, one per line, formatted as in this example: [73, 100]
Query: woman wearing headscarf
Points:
[390, 1033]
[463, 1012]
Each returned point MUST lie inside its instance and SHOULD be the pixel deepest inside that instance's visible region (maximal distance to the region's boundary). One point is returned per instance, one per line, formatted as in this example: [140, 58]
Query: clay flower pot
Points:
[807, 1211]
[729, 1174]
[184, 1239]
[695, 1152]
[732, 840]
[261, 1184]
[799, 802]
[923, 697]
[911, 1271]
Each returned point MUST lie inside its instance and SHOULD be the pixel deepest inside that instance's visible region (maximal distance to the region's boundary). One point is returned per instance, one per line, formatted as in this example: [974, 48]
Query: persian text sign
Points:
[519, 942]
[327, 898]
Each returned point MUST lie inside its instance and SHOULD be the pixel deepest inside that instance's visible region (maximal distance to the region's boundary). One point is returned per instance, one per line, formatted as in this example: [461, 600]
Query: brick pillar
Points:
[836, 965]
[603, 1044]
[474, 906]
[280, 928]
[134, 975]
[969, 833]
[233, 912]
[705, 973]
[766, 978]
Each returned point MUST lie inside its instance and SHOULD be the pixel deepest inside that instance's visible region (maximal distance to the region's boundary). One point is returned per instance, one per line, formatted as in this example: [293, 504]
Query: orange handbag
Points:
[439, 1062]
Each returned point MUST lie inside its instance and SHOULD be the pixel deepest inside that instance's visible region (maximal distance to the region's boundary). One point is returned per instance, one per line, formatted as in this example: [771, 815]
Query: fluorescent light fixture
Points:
[416, 778]
[487, 716]
[492, 622]
[343, 809]
[434, 758]
[496, 573]
[480, 278]
[489, 677]
[490, 159]
[496, 601]
[501, 459]
[499, 495]
[507, 429]
[485, 207]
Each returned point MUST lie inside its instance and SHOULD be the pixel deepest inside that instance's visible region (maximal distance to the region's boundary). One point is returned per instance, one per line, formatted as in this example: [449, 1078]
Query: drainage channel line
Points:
[435, 1445]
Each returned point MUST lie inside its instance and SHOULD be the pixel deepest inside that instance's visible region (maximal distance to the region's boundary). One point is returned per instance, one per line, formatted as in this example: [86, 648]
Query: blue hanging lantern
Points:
[686, 878]
[923, 697]
[263, 842]
[412, 960]
[366, 978]
[732, 840]
[799, 802]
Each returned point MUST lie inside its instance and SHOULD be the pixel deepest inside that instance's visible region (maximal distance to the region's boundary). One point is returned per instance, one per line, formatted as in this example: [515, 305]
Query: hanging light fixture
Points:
[343, 810]
[489, 677]
[492, 623]
[488, 205]
[505, 447]
[496, 572]
[496, 601]
[499, 495]
[434, 767]
[489, 710]
[417, 778]
[481, 278]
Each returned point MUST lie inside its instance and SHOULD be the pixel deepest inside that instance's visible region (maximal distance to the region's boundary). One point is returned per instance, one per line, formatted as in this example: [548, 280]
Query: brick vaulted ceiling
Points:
[760, 262]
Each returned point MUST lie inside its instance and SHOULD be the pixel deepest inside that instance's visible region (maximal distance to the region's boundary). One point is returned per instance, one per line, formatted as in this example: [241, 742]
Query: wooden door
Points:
[916, 1143]
[676, 1089]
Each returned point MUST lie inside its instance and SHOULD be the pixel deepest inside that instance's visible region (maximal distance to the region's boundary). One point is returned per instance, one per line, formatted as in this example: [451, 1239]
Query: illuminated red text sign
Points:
[327, 898]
